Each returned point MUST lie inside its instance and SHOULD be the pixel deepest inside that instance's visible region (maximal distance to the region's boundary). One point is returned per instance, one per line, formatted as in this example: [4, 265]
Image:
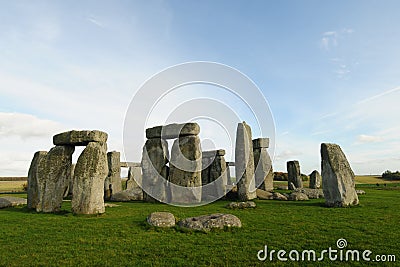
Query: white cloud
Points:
[26, 126]
[363, 138]
[95, 21]
[331, 39]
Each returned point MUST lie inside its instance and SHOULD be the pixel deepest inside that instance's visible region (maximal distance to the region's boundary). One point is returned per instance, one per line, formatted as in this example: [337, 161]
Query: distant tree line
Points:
[388, 175]
[283, 176]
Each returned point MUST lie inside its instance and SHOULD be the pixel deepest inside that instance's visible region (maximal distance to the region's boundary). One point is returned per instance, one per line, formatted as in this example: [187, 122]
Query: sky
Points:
[330, 72]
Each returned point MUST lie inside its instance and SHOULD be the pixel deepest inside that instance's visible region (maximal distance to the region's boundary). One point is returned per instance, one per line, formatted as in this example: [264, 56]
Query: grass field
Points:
[121, 238]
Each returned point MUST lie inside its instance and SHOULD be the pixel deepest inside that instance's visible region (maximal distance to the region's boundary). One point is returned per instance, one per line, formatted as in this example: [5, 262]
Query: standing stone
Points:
[315, 180]
[134, 182]
[71, 182]
[53, 178]
[112, 184]
[155, 170]
[90, 172]
[185, 170]
[294, 175]
[264, 174]
[337, 177]
[215, 176]
[34, 194]
[244, 163]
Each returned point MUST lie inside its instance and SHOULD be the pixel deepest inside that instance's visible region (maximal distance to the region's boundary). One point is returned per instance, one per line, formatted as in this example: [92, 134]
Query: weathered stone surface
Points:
[311, 193]
[244, 163]
[360, 192]
[294, 175]
[172, 131]
[71, 182]
[214, 175]
[298, 196]
[185, 170]
[33, 186]
[206, 223]
[161, 219]
[54, 174]
[241, 205]
[90, 172]
[337, 177]
[283, 187]
[261, 143]
[279, 196]
[127, 195]
[134, 182]
[213, 153]
[315, 180]
[79, 138]
[155, 170]
[112, 184]
[262, 194]
[6, 202]
[264, 174]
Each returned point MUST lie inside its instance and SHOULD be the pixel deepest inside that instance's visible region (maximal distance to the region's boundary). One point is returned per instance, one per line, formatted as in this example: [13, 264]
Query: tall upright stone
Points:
[34, 194]
[264, 174]
[294, 175]
[155, 170]
[214, 174]
[134, 182]
[185, 170]
[112, 184]
[337, 177]
[244, 163]
[90, 172]
[54, 174]
[315, 180]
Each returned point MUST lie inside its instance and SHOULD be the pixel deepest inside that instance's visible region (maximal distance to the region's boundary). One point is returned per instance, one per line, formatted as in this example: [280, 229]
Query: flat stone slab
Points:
[241, 205]
[261, 143]
[174, 130]
[161, 219]
[79, 138]
[213, 153]
[6, 202]
[206, 223]
[262, 194]
[298, 196]
[311, 193]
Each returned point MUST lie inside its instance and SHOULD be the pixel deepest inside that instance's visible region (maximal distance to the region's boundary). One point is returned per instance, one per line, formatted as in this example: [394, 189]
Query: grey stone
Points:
[292, 186]
[311, 193]
[161, 219]
[294, 175]
[261, 143]
[262, 194]
[6, 202]
[54, 174]
[279, 196]
[298, 196]
[79, 138]
[360, 192]
[214, 175]
[127, 195]
[185, 170]
[155, 170]
[315, 180]
[337, 177]
[134, 182]
[264, 174]
[242, 205]
[90, 172]
[112, 184]
[33, 185]
[283, 187]
[244, 163]
[206, 223]
[172, 131]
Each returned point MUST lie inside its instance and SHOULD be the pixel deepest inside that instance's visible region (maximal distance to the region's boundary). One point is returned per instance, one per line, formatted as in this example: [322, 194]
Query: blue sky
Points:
[329, 70]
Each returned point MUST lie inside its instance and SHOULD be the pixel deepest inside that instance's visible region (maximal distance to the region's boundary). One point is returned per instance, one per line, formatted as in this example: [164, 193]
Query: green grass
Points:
[121, 238]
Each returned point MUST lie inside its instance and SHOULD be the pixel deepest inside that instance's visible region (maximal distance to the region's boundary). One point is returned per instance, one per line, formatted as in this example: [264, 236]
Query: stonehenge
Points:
[50, 174]
[337, 177]
[214, 174]
[264, 174]
[294, 175]
[244, 163]
[112, 184]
